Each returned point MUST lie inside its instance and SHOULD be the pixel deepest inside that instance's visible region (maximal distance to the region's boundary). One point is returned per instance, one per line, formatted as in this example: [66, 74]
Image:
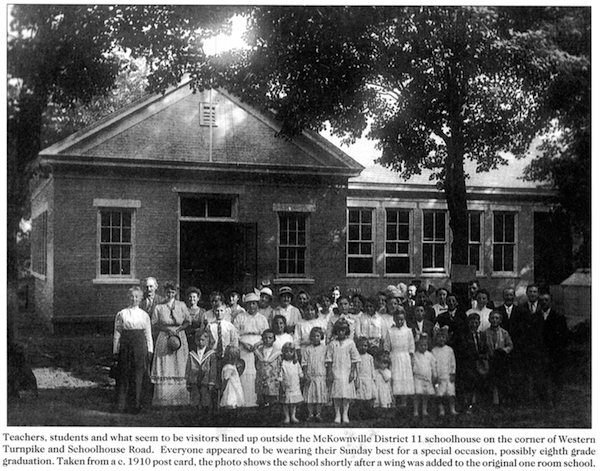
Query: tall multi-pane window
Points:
[292, 244]
[504, 242]
[360, 240]
[116, 242]
[39, 243]
[475, 239]
[397, 240]
[434, 240]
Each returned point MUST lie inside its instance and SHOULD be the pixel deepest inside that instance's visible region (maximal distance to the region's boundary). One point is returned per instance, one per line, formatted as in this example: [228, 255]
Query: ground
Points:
[75, 390]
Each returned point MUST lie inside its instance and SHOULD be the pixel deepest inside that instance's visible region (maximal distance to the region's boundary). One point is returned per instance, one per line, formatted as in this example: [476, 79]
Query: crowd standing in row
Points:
[379, 352]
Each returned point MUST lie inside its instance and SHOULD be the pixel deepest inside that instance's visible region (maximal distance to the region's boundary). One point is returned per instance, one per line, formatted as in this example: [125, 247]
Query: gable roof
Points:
[165, 130]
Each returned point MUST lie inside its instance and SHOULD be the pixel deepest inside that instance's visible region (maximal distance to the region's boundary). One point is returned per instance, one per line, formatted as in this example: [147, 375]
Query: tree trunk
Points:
[456, 198]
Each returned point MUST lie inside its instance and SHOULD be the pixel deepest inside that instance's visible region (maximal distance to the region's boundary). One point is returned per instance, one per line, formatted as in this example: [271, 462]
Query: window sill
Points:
[362, 275]
[504, 274]
[435, 274]
[116, 281]
[38, 276]
[399, 275]
[294, 281]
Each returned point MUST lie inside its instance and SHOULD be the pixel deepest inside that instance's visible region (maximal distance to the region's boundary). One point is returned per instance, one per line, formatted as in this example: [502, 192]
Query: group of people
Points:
[378, 353]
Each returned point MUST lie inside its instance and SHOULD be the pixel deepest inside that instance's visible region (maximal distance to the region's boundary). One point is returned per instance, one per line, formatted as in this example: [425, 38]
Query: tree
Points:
[439, 85]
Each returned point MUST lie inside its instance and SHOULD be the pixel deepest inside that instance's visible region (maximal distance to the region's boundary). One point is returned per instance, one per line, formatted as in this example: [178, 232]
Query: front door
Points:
[217, 256]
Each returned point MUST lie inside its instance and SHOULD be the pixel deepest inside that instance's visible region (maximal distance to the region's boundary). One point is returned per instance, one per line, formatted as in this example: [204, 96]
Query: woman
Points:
[193, 295]
[168, 369]
[401, 344]
[132, 347]
[250, 325]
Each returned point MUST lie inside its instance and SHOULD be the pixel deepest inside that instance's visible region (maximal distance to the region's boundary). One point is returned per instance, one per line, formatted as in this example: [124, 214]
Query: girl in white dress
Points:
[445, 372]
[233, 394]
[383, 381]
[291, 373]
[313, 365]
[402, 347]
[365, 380]
[341, 360]
[424, 371]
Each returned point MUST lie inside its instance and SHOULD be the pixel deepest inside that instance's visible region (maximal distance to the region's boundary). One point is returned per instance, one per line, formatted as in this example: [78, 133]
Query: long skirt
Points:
[133, 352]
[248, 378]
[168, 373]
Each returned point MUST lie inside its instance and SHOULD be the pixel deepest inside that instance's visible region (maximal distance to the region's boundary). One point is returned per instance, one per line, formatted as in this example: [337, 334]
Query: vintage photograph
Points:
[299, 216]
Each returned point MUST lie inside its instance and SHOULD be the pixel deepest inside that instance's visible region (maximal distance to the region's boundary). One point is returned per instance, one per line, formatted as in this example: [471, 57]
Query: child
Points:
[291, 373]
[383, 381]
[201, 374]
[343, 312]
[474, 365]
[313, 364]
[365, 380]
[424, 368]
[499, 346]
[341, 360]
[233, 394]
[279, 327]
[305, 326]
[267, 361]
[290, 313]
[402, 346]
[445, 372]
[234, 306]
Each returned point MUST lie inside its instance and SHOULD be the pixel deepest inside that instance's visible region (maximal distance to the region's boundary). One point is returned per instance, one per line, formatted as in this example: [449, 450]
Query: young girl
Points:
[267, 361]
[291, 373]
[279, 327]
[193, 295]
[313, 365]
[423, 363]
[445, 372]
[402, 346]
[341, 360]
[233, 394]
[234, 300]
[342, 312]
[383, 381]
[201, 374]
[304, 327]
[365, 379]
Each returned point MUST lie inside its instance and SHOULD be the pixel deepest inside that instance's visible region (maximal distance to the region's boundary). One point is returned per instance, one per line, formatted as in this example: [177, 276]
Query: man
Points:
[520, 331]
[455, 319]
[549, 335]
[506, 309]
[151, 297]
[474, 288]
[421, 299]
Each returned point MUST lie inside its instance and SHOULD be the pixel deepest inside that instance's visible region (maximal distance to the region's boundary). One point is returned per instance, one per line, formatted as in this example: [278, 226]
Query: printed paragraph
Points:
[327, 449]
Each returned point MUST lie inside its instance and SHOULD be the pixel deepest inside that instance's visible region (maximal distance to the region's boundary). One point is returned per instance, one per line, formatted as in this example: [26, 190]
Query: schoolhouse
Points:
[199, 189]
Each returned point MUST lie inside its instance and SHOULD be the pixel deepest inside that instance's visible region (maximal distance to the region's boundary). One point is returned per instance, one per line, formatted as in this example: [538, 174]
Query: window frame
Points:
[398, 241]
[306, 273]
[480, 213]
[504, 243]
[234, 200]
[434, 242]
[370, 241]
[39, 245]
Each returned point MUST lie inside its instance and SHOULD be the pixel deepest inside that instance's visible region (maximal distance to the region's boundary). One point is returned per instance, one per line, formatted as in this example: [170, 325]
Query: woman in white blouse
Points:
[132, 350]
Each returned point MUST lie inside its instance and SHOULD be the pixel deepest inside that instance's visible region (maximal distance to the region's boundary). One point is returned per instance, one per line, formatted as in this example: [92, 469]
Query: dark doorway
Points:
[552, 248]
[217, 256]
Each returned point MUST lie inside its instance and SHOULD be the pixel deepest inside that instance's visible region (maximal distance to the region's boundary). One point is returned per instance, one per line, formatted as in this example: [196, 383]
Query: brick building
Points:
[197, 188]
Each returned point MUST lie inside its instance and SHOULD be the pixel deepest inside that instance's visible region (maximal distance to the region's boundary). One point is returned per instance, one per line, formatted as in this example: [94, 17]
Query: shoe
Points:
[294, 420]
[286, 421]
[337, 420]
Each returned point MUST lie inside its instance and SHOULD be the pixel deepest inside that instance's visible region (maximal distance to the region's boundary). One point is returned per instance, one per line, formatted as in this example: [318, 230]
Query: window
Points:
[292, 244]
[360, 241]
[116, 227]
[504, 242]
[434, 240]
[397, 241]
[207, 207]
[207, 114]
[475, 239]
[39, 243]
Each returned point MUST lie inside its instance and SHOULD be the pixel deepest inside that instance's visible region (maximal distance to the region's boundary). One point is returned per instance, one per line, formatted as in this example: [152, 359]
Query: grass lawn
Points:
[87, 358]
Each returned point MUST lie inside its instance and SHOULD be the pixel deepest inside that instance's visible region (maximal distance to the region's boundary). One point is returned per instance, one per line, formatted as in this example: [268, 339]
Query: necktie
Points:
[219, 340]
[476, 342]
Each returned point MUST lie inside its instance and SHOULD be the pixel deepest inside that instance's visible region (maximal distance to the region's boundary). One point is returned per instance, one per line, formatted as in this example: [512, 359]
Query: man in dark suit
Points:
[150, 300]
[421, 299]
[506, 309]
[520, 332]
[549, 338]
[455, 319]
[422, 326]
[474, 288]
